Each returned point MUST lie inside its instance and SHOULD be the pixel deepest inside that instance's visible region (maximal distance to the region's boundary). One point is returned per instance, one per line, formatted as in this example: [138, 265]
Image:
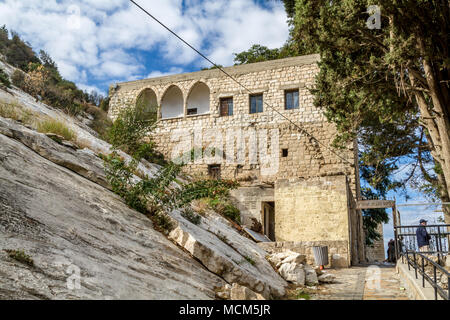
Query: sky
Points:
[96, 43]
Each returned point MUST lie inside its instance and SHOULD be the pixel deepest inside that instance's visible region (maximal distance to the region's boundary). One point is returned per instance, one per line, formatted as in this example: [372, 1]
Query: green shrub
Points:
[104, 104]
[56, 127]
[18, 79]
[250, 260]
[4, 78]
[191, 216]
[21, 256]
[226, 208]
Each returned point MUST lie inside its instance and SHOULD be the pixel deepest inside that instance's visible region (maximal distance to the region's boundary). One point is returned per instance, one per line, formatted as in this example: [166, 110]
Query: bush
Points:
[15, 112]
[56, 127]
[226, 208]
[18, 79]
[21, 256]
[4, 78]
[104, 104]
[191, 216]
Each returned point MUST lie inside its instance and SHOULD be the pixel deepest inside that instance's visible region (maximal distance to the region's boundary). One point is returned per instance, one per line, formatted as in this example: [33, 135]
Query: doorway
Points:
[268, 218]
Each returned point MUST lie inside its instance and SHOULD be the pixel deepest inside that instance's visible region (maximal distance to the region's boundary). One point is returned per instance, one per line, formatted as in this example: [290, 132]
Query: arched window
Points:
[198, 100]
[172, 103]
[147, 104]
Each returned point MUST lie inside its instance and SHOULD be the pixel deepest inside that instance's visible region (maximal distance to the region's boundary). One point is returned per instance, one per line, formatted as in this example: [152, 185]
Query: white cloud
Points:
[173, 70]
[97, 40]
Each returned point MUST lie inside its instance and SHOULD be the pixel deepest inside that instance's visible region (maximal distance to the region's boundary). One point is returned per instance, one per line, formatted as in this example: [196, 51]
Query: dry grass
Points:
[13, 110]
[56, 127]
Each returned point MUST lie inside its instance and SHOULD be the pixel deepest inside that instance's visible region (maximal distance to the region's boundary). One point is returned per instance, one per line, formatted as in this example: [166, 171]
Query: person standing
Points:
[423, 238]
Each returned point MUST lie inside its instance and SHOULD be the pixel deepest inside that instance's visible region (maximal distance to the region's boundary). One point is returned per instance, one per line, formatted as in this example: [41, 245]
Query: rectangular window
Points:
[214, 171]
[256, 103]
[291, 99]
[226, 107]
[284, 153]
[191, 111]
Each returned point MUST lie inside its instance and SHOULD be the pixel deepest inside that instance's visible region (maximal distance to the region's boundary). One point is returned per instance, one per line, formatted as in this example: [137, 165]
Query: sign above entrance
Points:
[374, 204]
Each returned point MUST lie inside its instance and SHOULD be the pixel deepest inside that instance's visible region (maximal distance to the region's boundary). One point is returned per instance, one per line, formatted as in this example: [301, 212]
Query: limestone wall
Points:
[248, 200]
[312, 209]
[304, 132]
[277, 155]
[376, 252]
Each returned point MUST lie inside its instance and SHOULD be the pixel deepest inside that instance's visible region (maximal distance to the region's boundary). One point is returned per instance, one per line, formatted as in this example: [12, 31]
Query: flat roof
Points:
[233, 70]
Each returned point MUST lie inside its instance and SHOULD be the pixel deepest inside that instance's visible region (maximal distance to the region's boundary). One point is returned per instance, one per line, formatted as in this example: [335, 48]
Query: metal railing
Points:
[417, 260]
[406, 239]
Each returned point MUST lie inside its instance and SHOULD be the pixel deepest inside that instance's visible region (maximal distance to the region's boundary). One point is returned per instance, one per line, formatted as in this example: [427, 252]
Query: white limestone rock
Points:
[293, 272]
[311, 276]
[326, 278]
[239, 292]
[225, 252]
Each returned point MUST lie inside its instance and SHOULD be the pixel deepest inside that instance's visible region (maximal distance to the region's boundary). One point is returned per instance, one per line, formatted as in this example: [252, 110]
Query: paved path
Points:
[365, 282]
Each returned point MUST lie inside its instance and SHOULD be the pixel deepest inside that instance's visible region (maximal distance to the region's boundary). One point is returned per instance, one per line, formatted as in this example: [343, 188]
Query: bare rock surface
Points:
[84, 241]
[226, 253]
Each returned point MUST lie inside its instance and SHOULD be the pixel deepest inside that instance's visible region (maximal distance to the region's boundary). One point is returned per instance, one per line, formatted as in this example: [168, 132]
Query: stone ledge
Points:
[413, 285]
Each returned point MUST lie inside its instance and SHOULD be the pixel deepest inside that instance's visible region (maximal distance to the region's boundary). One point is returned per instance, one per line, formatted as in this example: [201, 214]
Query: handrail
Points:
[419, 225]
[425, 276]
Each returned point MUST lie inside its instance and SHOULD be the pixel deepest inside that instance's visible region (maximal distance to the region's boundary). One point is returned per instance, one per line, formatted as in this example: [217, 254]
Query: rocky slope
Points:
[56, 206]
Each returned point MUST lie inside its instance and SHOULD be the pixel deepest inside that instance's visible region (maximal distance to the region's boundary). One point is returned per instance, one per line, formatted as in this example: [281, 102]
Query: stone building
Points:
[272, 140]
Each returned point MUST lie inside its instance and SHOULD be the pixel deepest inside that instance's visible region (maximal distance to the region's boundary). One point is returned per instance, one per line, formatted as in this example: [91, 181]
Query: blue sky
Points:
[98, 42]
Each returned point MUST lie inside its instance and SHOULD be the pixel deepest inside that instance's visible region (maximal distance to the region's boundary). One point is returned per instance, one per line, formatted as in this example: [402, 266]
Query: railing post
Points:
[396, 242]
[448, 286]
[440, 246]
[407, 259]
[423, 272]
[435, 283]
[415, 263]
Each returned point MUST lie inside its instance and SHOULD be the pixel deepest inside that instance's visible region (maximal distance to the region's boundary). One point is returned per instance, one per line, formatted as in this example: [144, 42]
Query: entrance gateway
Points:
[268, 218]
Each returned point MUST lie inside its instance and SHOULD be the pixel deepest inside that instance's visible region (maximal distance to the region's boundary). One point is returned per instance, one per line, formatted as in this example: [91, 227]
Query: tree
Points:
[4, 40]
[20, 53]
[377, 81]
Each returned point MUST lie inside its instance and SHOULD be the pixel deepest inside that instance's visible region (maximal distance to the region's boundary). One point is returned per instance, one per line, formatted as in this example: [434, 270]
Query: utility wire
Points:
[237, 81]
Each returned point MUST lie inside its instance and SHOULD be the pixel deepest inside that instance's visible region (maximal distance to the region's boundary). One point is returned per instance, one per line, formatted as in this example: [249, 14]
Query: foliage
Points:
[250, 260]
[41, 77]
[372, 218]
[258, 53]
[101, 122]
[4, 79]
[18, 79]
[104, 104]
[14, 111]
[370, 85]
[388, 87]
[56, 127]
[20, 256]
[225, 207]
[191, 216]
